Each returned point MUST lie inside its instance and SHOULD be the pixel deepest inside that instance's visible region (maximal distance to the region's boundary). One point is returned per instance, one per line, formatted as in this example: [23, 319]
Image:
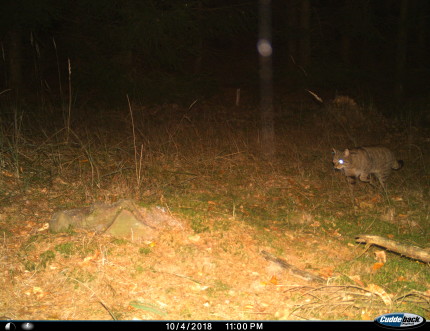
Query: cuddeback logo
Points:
[400, 320]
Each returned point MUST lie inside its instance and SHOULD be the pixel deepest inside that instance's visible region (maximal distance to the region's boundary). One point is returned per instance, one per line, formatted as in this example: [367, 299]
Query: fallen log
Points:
[413, 252]
[293, 270]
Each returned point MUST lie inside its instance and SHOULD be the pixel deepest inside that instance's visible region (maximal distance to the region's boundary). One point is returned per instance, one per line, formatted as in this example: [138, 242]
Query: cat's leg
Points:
[351, 180]
[364, 177]
[382, 178]
[374, 179]
[369, 178]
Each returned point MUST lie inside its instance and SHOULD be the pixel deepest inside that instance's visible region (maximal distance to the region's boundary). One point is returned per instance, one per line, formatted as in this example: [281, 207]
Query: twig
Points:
[137, 165]
[98, 298]
[292, 269]
[69, 110]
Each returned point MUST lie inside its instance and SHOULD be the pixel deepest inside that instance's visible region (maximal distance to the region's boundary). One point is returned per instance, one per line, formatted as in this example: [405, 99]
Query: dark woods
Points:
[178, 50]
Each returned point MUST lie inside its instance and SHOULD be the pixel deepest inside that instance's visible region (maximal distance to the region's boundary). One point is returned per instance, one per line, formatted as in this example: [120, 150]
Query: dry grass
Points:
[201, 163]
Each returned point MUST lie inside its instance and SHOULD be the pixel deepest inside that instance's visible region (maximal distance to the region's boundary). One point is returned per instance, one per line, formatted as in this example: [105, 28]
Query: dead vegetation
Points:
[200, 164]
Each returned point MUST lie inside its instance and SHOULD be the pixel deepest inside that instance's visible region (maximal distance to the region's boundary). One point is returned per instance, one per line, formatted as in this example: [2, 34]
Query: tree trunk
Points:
[292, 25]
[401, 49]
[345, 49]
[422, 31]
[305, 35]
[199, 53]
[15, 59]
[266, 82]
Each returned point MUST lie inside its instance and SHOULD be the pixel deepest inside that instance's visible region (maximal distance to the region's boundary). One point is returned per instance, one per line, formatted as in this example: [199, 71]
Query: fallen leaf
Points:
[381, 256]
[389, 215]
[7, 173]
[194, 238]
[376, 198]
[273, 280]
[198, 287]
[38, 291]
[326, 272]
[357, 280]
[59, 180]
[366, 317]
[315, 224]
[375, 289]
[377, 266]
[44, 227]
[364, 205]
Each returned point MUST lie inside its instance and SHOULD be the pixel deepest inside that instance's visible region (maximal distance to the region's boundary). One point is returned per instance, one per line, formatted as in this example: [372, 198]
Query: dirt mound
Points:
[123, 219]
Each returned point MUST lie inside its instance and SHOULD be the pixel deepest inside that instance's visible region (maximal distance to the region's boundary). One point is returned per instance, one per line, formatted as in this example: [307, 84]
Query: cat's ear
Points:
[346, 153]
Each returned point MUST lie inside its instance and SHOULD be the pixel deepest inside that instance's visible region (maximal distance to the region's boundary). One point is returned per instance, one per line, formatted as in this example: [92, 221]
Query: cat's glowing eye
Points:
[340, 161]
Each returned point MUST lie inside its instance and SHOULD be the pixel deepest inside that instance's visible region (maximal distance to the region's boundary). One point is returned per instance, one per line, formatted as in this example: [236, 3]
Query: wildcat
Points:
[362, 162]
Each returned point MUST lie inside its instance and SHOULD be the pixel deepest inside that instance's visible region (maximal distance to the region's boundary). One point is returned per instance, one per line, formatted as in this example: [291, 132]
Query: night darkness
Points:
[167, 50]
[155, 166]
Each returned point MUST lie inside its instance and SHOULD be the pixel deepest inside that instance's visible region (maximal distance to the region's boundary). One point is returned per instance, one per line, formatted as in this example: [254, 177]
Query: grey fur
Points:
[362, 162]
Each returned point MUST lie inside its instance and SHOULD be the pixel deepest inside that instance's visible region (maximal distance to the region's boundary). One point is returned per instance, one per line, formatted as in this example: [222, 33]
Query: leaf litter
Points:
[231, 209]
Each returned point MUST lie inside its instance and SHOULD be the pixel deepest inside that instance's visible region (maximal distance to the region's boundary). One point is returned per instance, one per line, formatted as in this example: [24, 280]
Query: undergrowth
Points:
[202, 164]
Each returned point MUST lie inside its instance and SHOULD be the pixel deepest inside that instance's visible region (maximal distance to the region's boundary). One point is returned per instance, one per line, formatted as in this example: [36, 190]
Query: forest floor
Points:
[201, 164]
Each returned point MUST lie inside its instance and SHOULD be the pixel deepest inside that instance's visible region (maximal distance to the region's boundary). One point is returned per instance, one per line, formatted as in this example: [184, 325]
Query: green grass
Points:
[218, 288]
[207, 172]
[66, 249]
